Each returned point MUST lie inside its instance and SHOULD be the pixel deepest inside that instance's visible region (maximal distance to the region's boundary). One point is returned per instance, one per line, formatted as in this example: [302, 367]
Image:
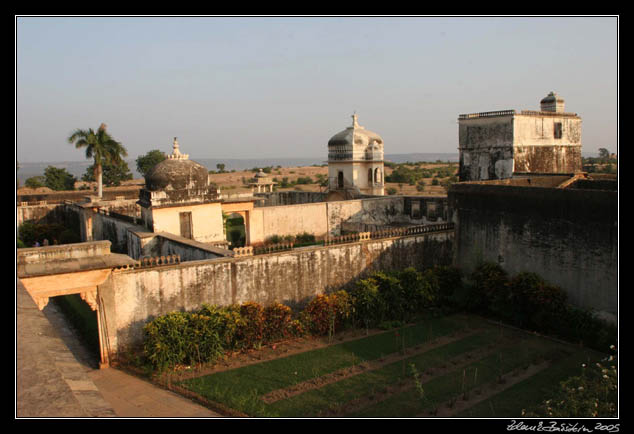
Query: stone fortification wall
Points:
[109, 193]
[567, 236]
[133, 297]
[46, 213]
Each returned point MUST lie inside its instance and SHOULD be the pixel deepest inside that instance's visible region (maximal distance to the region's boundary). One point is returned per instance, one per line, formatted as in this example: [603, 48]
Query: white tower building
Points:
[355, 163]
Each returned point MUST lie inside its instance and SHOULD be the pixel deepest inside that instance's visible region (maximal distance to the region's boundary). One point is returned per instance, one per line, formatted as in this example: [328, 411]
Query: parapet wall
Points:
[63, 251]
[133, 297]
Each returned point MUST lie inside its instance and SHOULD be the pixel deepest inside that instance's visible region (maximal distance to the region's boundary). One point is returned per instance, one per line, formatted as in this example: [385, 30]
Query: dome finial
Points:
[355, 123]
[176, 153]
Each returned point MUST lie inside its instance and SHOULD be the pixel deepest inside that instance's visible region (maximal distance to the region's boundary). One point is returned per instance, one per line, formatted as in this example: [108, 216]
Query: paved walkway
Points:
[57, 378]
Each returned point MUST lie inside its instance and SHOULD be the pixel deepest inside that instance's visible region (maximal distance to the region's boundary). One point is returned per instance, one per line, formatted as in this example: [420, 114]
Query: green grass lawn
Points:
[475, 357]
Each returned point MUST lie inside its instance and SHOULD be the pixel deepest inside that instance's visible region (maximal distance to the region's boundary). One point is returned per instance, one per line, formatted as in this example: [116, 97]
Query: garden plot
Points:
[442, 367]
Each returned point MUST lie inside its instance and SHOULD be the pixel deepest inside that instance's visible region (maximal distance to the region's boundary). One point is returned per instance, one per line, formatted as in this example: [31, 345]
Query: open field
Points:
[455, 366]
[234, 182]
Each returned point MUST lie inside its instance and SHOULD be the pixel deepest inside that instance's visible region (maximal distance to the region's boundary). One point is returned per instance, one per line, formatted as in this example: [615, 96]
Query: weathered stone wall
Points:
[46, 213]
[134, 297]
[486, 147]
[328, 218]
[148, 244]
[379, 211]
[111, 228]
[567, 236]
[288, 220]
[109, 193]
[64, 251]
[547, 159]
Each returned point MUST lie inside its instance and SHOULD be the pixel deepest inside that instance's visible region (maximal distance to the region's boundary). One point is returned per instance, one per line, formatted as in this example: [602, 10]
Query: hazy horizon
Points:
[280, 87]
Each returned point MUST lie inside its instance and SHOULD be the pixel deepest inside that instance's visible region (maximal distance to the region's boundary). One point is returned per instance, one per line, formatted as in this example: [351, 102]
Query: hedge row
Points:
[524, 300]
[204, 335]
[529, 302]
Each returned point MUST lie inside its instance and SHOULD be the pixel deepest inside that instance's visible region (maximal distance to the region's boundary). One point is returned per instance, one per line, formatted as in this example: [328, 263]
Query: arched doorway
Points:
[235, 230]
[82, 320]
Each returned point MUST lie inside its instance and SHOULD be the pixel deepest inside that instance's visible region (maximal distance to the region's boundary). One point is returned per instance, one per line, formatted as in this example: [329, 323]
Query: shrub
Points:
[181, 338]
[395, 301]
[449, 284]
[304, 238]
[278, 322]
[488, 292]
[583, 326]
[391, 190]
[534, 303]
[367, 305]
[202, 342]
[421, 288]
[396, 296]
[250, 331]
[327, 313]
[226, 321]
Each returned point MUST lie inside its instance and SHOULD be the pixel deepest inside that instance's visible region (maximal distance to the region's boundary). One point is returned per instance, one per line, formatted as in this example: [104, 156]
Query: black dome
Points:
[177, 174]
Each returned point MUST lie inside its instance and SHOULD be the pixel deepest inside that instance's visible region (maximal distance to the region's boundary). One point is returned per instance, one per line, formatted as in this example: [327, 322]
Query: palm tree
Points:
[101, 147]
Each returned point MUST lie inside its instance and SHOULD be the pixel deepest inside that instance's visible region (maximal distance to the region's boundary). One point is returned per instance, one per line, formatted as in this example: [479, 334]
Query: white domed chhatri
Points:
[355, 162]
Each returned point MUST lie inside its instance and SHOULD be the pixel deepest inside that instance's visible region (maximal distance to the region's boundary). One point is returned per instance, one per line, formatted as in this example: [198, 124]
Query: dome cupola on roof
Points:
[355, 142]
[177, 172]
[355, 135]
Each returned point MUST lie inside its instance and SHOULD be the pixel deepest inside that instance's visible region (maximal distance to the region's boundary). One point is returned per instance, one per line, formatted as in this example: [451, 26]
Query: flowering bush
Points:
[591, 394]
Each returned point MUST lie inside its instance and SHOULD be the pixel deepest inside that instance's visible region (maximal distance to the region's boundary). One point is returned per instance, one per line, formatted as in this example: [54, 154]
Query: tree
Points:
[101, 147]
[146, 162]
[113, 173]
[220, 167]
[58, 179]
[604, 154]
[34, 182]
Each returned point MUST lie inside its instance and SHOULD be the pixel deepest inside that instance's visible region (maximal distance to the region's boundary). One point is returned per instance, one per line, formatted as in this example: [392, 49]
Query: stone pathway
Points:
[57, 378]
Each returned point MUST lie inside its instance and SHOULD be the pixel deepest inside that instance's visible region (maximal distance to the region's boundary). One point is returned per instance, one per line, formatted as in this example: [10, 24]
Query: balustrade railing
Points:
[152, 261]
[486, 114]
[353, 238]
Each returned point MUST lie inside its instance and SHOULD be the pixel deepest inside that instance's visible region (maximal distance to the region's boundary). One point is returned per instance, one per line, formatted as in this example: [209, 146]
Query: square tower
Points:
[500, 144]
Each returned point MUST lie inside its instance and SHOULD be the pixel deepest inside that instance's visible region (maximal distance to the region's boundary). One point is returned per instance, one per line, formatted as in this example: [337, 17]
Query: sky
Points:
[280, 87]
